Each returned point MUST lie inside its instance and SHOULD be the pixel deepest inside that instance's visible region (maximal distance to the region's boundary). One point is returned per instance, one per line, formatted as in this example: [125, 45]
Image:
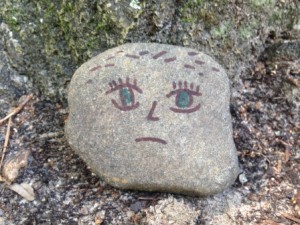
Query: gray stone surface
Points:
[154, 117]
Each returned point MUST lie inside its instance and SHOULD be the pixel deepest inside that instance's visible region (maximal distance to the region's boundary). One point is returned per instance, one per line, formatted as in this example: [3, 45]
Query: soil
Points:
[265, 110]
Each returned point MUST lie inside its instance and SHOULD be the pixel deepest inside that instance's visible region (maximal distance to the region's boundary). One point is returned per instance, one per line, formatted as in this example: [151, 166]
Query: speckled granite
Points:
[154, 117]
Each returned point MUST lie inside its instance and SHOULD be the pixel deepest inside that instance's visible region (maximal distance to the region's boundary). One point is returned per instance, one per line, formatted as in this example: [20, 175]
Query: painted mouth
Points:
[153, 139]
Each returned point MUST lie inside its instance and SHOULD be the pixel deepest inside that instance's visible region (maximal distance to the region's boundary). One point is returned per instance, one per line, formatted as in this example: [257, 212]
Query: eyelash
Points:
[183, 88]
[114, 86]
[128, 88]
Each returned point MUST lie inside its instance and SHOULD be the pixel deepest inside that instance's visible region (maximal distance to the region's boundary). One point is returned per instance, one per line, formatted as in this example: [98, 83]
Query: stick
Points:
[6, 141]
[290, 217]
[18, 109]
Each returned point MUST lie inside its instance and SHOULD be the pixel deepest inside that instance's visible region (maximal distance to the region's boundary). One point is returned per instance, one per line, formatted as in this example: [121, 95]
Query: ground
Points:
[263, 63]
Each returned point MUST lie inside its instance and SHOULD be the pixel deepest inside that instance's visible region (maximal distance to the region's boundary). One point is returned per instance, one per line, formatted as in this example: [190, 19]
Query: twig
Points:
[146, 198]
[6, 141]
[270, 222]
[18, 109]
[290, 217]
[283, 142]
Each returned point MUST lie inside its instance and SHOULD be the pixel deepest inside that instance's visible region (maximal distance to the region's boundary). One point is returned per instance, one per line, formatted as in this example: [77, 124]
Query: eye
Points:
[126, 99]
[184, 97]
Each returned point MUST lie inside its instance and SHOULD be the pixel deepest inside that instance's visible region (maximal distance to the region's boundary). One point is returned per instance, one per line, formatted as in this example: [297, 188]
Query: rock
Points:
[154, 117]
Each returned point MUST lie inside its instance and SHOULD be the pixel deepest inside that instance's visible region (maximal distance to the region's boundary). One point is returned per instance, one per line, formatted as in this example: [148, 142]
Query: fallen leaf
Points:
[270, 222]
[24, 190]
[13, 164]
[99, 218]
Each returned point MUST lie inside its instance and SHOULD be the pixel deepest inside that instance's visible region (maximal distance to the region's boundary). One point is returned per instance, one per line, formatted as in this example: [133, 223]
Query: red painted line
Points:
[180, 84]
[199, 62]
[159, 54]
[189, 66]
[132, 56]
[170, 59]
[144, 53]
[174, 85]
[190, 92]
[95, 68]
[151, 112]
[114, 86]
[125, 108]
[153, 139]
[186, 110]
[192, 53]
[185, 84]
[110, 58]
[215, 69]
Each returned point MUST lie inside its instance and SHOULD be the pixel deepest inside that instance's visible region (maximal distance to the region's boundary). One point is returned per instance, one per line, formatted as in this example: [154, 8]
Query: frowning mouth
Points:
[153, 139]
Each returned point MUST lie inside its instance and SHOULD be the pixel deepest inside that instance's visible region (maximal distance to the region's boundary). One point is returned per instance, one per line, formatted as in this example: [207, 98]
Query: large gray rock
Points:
[154, 117]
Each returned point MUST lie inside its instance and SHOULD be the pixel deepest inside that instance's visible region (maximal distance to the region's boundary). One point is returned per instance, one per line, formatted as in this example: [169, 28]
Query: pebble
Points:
[154, 117]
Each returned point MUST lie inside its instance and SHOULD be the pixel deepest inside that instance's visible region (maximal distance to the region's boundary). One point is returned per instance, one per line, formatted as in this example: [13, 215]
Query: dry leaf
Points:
[99, 218]
[2, 221]
[24, 190]
[270, 222]
[13, 164]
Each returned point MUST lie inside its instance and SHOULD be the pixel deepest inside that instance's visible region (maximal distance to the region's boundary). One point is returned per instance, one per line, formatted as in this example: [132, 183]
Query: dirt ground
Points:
[61, 189]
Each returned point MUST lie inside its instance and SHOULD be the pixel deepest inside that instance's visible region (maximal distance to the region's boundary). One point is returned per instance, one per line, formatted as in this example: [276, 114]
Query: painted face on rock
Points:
[153, 117]
[152, 98]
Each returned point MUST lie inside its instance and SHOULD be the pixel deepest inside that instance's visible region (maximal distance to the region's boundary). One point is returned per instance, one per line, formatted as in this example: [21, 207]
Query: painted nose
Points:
[150, 115]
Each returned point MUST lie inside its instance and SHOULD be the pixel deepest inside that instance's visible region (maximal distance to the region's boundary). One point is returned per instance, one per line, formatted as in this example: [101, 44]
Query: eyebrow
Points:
[144, 52]
[189, 66]
[95, 68]
[109, 65]
[159, 54]
[199, 62]
[192, 53]
[132, 56]
[170, 59]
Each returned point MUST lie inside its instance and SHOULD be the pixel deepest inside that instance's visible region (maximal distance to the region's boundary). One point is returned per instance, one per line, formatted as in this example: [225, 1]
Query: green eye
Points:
[126, 96]
[183, 99]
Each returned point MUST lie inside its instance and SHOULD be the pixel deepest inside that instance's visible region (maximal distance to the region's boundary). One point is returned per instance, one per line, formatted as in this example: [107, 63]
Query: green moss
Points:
[190, 10]
[75, 24]
[260, 4]
[59, 35]
[11, 17]
[221, 31]
[210, 18]
[248, 30]
[244, 22]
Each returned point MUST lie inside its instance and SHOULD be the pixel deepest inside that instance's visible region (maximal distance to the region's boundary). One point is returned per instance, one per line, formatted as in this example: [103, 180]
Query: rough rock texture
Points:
[12, 85]
[154, 117]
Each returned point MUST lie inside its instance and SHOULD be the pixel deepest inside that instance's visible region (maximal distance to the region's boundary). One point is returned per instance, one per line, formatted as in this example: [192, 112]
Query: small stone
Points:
[154, 117]
[242, 178]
